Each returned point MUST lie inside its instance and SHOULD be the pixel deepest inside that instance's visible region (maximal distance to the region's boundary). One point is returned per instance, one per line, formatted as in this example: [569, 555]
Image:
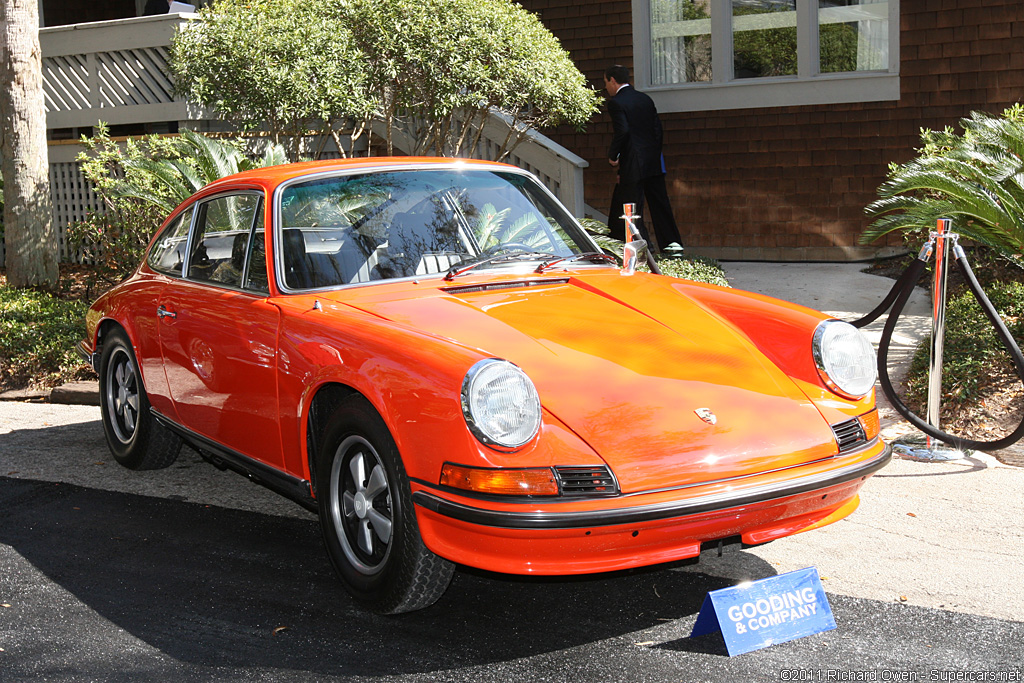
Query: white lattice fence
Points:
[73, 199]
[67, 82]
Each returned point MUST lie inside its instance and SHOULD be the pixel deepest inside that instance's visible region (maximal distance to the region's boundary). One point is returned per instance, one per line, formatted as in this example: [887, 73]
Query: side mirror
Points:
[631, 255]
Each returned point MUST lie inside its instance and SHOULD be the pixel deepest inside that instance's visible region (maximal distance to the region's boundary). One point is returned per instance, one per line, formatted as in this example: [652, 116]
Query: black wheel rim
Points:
[122, 395]
[361, 505]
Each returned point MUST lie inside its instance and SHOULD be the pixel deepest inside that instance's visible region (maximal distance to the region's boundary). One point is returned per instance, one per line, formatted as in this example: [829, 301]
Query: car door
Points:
[167, 260]
[218, 332]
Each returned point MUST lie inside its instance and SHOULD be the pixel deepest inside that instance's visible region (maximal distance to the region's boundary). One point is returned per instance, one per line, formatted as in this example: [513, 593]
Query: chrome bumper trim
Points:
[648, 513]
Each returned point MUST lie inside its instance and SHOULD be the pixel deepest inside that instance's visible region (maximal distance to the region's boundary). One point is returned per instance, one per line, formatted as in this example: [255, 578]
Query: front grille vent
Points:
[849, 434]
[587, 481]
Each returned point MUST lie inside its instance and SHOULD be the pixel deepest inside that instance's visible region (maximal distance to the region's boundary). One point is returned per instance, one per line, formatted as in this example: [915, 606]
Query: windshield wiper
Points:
[460, 269]
[588, 255]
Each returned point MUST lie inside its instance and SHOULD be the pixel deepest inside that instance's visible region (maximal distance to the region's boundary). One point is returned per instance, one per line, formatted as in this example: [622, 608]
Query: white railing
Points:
[114, 71]
[560, 170]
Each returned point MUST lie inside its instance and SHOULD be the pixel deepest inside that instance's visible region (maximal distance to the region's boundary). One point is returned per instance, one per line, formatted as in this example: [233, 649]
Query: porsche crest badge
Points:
[706, 415]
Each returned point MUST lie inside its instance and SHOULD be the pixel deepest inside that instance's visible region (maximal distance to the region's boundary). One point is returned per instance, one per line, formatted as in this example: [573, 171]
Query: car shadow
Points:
[220, 587]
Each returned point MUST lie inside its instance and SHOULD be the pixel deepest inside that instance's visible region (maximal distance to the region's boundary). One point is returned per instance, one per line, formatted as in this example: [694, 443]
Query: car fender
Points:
[131, 306]
[412, 378]
[783, 332]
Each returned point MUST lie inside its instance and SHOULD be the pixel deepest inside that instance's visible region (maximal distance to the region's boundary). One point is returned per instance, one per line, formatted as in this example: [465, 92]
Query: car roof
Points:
[270, 177]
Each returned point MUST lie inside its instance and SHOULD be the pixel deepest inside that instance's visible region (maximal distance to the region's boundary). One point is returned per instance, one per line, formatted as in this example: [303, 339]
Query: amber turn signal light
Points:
[505, 482]
[871, 425]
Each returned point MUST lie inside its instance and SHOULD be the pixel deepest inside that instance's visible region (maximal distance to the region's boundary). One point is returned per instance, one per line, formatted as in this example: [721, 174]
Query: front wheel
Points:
[135, 438]
[367, 517]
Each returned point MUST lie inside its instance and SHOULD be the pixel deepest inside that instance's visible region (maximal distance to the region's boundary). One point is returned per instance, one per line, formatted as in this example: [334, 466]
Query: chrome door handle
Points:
[162, 312]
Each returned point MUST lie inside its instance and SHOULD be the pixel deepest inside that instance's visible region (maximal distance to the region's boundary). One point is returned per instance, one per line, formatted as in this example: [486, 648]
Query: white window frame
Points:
[807, 87]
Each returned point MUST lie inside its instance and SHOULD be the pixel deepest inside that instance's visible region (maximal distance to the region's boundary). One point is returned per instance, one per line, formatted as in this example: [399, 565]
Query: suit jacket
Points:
[636, 142]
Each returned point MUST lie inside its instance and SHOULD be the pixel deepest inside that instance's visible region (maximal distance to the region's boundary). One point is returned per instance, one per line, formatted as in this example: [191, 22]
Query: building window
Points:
[725, 54]
[853, 35]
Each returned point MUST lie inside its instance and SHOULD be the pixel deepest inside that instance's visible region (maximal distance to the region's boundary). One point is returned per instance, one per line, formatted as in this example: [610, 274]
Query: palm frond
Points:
[977, 179]
[490, 226]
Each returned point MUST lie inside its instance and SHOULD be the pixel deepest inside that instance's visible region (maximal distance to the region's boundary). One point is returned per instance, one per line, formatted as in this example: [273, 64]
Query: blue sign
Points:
[773, 610]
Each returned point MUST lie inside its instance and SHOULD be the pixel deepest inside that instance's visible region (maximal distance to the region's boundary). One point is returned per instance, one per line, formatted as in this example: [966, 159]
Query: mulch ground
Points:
[76, 282]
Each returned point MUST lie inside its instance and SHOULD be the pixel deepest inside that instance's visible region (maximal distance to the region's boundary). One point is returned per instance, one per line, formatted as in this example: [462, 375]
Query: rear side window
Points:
[168, 253]
[220, 242]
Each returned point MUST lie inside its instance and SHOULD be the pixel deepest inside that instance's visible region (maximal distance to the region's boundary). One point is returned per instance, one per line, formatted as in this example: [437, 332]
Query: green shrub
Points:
[975, 179]
[697, 268]
[38, 334]
[427, 70]
[973, 354]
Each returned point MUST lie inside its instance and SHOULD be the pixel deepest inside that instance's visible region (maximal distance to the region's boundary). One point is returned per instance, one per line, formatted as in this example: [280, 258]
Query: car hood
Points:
[630, 364]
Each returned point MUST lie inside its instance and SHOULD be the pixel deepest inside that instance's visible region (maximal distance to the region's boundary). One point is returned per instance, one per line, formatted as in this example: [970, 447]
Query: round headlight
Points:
[845, 358]
[500, 403]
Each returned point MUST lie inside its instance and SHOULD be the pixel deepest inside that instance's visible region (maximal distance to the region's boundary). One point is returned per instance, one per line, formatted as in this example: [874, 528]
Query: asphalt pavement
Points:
[194, 574]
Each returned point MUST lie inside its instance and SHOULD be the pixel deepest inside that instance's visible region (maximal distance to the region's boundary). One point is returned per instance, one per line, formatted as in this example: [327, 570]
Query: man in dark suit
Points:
[636, 153]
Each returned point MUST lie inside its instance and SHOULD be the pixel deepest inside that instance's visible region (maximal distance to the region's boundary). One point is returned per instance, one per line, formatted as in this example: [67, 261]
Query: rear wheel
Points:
[135, 438]
[367, 517]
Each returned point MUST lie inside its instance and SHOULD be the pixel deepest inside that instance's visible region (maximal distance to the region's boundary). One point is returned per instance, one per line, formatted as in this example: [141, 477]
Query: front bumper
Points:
[85, 352]
[642, 529]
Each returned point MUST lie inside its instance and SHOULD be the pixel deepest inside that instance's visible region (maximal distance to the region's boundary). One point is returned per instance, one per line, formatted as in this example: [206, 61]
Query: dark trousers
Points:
[654, 191]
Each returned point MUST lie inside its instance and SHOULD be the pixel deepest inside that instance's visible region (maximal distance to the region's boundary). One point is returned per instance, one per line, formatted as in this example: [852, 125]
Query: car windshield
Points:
[359, 228]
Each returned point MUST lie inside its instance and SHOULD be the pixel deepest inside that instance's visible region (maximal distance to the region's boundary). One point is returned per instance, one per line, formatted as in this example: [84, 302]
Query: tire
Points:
[367, 518]
[134, 437]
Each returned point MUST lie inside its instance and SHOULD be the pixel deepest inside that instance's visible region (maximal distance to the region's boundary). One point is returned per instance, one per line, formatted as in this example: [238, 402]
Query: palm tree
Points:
[30, 235]
[977, 179]
[170, 180]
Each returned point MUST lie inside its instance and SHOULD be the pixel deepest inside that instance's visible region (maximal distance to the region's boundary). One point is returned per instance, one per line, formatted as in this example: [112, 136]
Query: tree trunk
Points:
[29, 235]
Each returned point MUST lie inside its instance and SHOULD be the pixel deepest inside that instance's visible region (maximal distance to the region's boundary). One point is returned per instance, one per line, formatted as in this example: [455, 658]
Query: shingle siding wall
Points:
[791, 183]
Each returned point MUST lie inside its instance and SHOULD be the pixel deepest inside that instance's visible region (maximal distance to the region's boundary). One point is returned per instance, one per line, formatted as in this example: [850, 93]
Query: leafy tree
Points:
[840, 44]
[30, 238]
[763, 52]
[426, 72]
[977, 179]
[279, 64]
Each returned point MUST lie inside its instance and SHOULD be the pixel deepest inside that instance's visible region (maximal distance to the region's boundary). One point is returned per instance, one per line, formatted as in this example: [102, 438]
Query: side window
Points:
[256, 276]
[221, 239]
[168, 252]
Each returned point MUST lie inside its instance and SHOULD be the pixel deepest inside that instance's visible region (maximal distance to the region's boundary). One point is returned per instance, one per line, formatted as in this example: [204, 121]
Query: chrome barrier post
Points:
[629, 216]
[931, 449]
[633, 234]
[938, 323]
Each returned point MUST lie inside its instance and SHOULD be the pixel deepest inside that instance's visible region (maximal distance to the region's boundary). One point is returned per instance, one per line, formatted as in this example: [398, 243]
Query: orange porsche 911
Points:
[434, 357]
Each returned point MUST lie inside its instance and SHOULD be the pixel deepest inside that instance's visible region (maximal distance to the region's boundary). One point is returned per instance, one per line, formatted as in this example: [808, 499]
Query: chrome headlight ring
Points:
[845, 359]
[500, 404]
